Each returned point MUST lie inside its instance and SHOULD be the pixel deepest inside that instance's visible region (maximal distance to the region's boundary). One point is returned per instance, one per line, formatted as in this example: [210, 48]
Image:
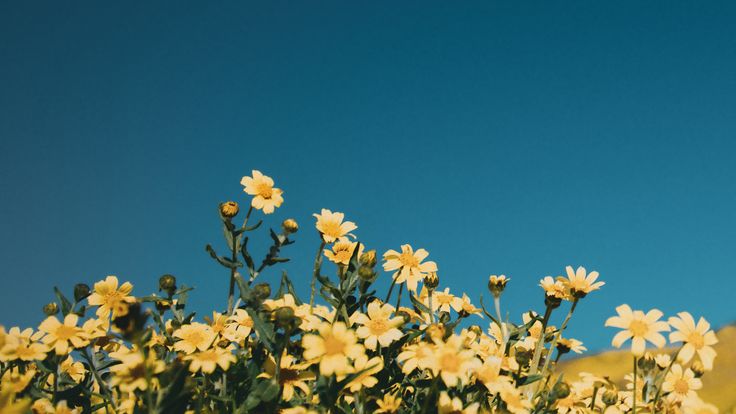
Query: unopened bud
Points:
[561, 390]
[81, 291]
[366, 273]
[610, 397]
[431, 280]
[496, 284]
[162, 305]
[283, 316]
[167, 283]
[262, 291]
[436, 331]
[697, 368]
[51, 309]
[477, 330]
[229, 209]
[368, 258]
[523, 356]
[646, 363]
[290, 226]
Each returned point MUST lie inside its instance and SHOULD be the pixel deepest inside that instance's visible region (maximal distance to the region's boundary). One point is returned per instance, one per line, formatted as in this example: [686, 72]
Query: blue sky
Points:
[508, 138]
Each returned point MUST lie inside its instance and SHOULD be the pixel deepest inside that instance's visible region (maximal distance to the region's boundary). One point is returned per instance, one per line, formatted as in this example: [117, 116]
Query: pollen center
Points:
[64, 332]
[681, 386]
[696, 340]
[638, 328]
[334, 346]
[408, 259]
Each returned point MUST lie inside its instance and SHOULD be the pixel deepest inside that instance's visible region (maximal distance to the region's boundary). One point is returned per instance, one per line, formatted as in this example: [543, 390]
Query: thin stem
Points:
[664, 374]
[317, 268]
[390, 289]
[398, 298]
[497, 304]
[540, 342]
[633, 409]
[557, 337]
[234, 258]
[431, 309]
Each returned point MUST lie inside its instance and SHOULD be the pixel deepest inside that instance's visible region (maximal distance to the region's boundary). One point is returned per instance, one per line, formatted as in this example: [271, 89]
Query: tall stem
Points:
[557, 337]
[431, 308]
[633, 409]
[234, 258]
[540, 342]
[497, 304]
[317, 268]
[398, 298]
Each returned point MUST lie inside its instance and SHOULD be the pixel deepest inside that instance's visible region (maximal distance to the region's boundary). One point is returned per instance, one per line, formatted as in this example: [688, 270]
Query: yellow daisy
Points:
[453, 362]
[333, 348]
[109, 297]
[378, 327]
[130, 374]
[193, 337]
[579, 283]
[640, 327]
[20, 345]
[266, 196]
[365, 379]
[342, 251]
[447, 405]
[408, 265]
[698, 338]
[292, 375]
[680, 384]
[332, 227]
[389, 404]
[208, 359]
[63, 336]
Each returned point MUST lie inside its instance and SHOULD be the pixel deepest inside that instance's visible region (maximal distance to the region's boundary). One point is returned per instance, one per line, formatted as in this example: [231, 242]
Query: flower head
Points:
[193, 337]
[640, 327]
[378, 326]
[342, 251]
[332, 226]
[63, 336]
[697, 338]
[579, 283]
[292, 375]
[266, 196]
[209, 359]
[680, 384]
[333, 348]
[408, 265]
[110, 298]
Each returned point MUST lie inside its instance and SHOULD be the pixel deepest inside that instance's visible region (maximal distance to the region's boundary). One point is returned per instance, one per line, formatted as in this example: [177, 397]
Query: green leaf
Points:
[419, 305]
[66, 306]
[222, 260]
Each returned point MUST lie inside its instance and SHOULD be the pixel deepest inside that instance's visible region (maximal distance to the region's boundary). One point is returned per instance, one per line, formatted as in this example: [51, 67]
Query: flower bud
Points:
[561, 390]
[262, 291]
[610, 396]
[368, 258]
[697, 368]
[477, 330]
[496, 284]
[366, 273]
[431, 281]
[523, 356]
[646, 363]
[552, 301]
[290, 226]
[283, 316]
[81, 291]
[167, 283]
[229, 209]
[436, 331]
[51, 309]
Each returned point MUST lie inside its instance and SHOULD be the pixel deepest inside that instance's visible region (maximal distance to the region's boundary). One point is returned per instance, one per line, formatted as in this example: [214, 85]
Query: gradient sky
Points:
[510, 138]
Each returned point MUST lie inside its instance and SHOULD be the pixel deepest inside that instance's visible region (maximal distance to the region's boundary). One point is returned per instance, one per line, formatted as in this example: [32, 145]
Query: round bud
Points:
[561, 390]
[262, 291]
[496, 284]
[290, 226]
[229, 209]
[51, 309]
[552, 301]
[697, 368]
[366, 273]
[283, 316]
[368, 258]
[81, 291]
[523, 357]
[610, 397]
[167, 283]
[646, 363]
[431, 280]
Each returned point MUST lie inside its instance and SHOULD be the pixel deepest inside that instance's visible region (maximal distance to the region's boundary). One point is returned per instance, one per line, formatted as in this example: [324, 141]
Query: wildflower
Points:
[697, 339]
[74, 369]
[266, 196]
[378, 326]
[681, 384]
[695, 405]
[408, 265]
[565, 345]
[389, 404]
[10, 405]
[662, 360]
[193, 337]
[332, 227]
[453, 362]
[109, 297]
[240, 326]
[579, 283]
[217, 322]
[342, 251]
[297, 410]
[50, 309]
[229, 209]
[208, 359]
[418, 355]
[516, 403]
[443, 301]
[17, 380]
[292, 376]
[333, 348]
[468, 308]
[553, 288]
[489, 374]
[447, 405]
[63, 336]
[431, 281]
[368, 367]
[20, 345]
[638, 326]
[496, 284]
[130, 374]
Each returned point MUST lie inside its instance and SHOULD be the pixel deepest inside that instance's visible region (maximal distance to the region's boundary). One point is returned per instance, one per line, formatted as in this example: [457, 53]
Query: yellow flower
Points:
[297, 410]
[418, 355]
[110, 298]
[389, 404]
[516, 403]
[553, 288]
[60, 336]
[10, 405]
[130, 374]
[697, 339]
[638, 326]
[332, 227]
[408, 265]
[447, 405]
[378, 326]
[292, 375]
[342, 251]
[697, 406]
[368, 368]
[333, 348]
[444, 300]
[570, 344]
[489, 374]
[20, 345]
[266, 197]
[193, 337]
[217, 322]
[207, 360]
[579, 283]
[468, 308]
[16, 380]
[496, 284]
[239, 327]
[680, 384]
[454, 362]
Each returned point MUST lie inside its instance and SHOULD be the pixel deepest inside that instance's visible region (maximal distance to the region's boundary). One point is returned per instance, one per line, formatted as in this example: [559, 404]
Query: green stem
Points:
[540, 342]
[390, 290]
[317, 268]
[557, 337]
[398, 298]
[103, 386]
[431, 310]
[664, 374]
[633, 409]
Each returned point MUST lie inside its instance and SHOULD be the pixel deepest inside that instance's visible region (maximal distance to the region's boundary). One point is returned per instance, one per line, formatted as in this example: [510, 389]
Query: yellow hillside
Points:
[719, 386]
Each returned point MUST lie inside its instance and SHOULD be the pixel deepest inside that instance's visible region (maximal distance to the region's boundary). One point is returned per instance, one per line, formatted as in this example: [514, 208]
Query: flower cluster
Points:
[347, 350]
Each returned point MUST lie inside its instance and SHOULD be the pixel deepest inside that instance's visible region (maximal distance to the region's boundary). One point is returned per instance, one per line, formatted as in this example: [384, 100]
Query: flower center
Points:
[332, 228]
[334, 346]
[195, 338]
[449, 362]
[681, 386]
[265, 190]
[64, 332]
[696, 340]
[408, 259]
[638, 328]
[378, 327]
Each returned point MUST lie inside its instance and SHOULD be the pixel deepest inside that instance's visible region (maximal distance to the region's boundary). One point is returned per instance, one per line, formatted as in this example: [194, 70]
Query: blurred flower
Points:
[389, 404]
[368, 367]
[447, 405]
[193, 337]
[208, 359]
[332, 348]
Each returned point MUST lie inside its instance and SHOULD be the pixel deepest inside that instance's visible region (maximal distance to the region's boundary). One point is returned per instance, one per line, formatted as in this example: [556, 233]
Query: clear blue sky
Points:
[508, 138]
